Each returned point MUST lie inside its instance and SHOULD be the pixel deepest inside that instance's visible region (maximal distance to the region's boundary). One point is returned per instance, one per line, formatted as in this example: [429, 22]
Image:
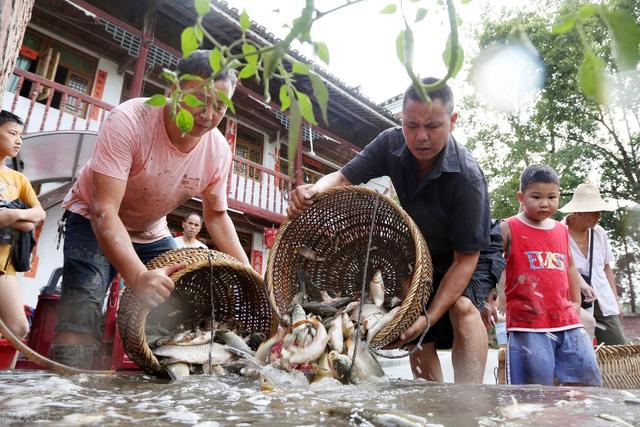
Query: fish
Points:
[319, 308]
[262, 353]
[200, 338]
[519, 410]
[336, 337]
[380, 324]
[376, 288]
[614, 419]
[365, 367]
[348, 329]
[370, 312]
[196, 354]
[322, 368]
[309, 254]
[313, 350]
[177, 370]
[340, 366]
[232, 340]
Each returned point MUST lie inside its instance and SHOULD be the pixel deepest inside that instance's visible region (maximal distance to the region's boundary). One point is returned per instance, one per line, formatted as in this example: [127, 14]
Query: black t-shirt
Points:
[450, 204]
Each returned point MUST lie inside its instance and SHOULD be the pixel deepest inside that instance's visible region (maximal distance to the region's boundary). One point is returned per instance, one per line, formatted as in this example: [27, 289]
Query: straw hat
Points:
[587, 198]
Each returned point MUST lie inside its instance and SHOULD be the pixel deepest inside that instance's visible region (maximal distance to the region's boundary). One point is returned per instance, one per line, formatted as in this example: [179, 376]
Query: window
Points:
[250, 146]
[60, 63]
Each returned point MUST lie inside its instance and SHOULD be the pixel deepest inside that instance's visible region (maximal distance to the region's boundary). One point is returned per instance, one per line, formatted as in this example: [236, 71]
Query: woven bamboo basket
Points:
[239, 300]
[619, 365]
[336, 229]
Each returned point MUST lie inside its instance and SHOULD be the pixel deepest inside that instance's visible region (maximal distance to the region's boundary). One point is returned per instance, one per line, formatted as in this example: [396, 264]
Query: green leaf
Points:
[249, 52]
[400, 46]
[293, 138]
[215, 60]
[197, 31]
[203, 7]
[566, 25]
[420, 14]
[446, 56]
[245, 22]
[248, 71]
[188, 41]
[389, 9]
[591, 76]
[169, 75]
[322, 51]
[157, 100]
[192, 101]
[300, 68]
[587, 11]
[321, 93]
[625, 38]
[223, 96]
[466, 1]
[190, 77]
[270, 59]
[285, 98]
[306, 108]
[184, 120]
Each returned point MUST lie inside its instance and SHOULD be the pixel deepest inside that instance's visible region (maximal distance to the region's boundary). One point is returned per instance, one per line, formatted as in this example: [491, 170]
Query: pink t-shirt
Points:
[133, 146]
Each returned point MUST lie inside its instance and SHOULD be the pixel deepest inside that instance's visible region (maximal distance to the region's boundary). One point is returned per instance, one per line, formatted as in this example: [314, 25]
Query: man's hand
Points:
[411, 333]
[153, 287]
[300, 199]
[489, 311]
[587, 293]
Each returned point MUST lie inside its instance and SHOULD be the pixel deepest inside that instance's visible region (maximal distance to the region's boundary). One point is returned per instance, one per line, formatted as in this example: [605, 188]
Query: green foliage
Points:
[184, 120]
[157, 100]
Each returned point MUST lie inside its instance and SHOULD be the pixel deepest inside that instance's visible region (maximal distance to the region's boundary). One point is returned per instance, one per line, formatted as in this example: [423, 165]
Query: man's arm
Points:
[223, 233]
[575, 283]
[611, 278]
[451, 288]
[300, 199]
[154, 286]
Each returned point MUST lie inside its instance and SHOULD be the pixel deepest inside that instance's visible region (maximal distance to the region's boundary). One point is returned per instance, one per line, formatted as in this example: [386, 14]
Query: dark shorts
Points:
[485, 277]
[481, 283]
[87, 274]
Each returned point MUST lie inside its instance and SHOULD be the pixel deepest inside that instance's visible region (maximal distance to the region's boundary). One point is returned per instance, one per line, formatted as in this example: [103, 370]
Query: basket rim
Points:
[423, 257]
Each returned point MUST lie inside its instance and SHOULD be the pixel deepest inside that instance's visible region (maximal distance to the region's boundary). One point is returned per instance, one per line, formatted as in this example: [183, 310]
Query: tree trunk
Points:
[15, 15]
[632, 292]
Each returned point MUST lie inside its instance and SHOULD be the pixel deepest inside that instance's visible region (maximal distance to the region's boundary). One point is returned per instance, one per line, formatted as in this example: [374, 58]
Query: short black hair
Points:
[197, 64]
[444, 94]
[538, 173]
[192, 214]
[7, 117]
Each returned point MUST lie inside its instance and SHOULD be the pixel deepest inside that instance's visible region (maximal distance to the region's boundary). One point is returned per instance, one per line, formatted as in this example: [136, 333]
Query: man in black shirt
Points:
[443, 189]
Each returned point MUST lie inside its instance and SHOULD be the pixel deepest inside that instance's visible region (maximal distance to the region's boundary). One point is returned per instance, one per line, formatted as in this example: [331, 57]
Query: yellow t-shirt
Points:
[14, 185]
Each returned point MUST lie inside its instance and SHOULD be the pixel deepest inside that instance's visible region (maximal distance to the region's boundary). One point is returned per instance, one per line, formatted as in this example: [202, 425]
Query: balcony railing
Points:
[257, 186]
[45, 105]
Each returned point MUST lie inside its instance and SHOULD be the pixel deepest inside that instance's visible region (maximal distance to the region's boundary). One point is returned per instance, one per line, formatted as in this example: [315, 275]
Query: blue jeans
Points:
[541, 357]
[87, 274]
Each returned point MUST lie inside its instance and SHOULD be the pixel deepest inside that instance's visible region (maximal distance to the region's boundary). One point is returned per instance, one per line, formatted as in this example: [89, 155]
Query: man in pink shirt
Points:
[143, 168]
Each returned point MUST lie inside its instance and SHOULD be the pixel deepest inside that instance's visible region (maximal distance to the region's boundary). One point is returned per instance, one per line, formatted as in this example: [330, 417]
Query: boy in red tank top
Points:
[547, 342]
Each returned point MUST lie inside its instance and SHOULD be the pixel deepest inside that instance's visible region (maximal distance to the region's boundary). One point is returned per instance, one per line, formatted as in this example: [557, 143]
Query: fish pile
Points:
[330, 338]
[216, 349]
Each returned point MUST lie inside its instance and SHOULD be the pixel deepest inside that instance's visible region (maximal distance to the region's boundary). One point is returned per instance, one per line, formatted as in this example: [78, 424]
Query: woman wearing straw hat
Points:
[592, 255]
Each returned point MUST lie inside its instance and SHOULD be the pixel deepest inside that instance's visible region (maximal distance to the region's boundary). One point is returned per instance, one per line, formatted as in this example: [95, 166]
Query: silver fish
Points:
[309, 254]
[376, 289]
[380, 324]
[177, 370]
[336, 337]
[233, 340]
[370, 312]
[196, 354]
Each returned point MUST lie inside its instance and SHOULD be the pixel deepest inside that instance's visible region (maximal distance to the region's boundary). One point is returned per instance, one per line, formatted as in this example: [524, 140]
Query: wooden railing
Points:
[48, 106]
[255, 185]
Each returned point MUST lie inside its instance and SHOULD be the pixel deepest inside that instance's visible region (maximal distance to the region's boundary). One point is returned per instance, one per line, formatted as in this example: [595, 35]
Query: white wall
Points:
[115, 82]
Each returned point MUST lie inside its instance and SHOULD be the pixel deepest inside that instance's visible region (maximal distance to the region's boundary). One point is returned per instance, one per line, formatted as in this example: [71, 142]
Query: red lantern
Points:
[269, 236]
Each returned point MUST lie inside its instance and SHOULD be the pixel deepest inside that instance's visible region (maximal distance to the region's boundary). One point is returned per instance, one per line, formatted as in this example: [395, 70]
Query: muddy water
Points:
[32, 397]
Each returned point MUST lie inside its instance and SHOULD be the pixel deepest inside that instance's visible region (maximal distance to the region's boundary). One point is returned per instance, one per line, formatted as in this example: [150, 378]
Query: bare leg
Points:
[470, 342]
[71, 337]
[11, 309]
[425, 363]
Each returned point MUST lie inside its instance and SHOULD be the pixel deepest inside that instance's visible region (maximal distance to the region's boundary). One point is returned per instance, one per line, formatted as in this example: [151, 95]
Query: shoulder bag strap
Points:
[590, 251]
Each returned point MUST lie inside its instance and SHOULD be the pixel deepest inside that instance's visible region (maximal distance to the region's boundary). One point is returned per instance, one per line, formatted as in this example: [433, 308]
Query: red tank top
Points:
[537, 279]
